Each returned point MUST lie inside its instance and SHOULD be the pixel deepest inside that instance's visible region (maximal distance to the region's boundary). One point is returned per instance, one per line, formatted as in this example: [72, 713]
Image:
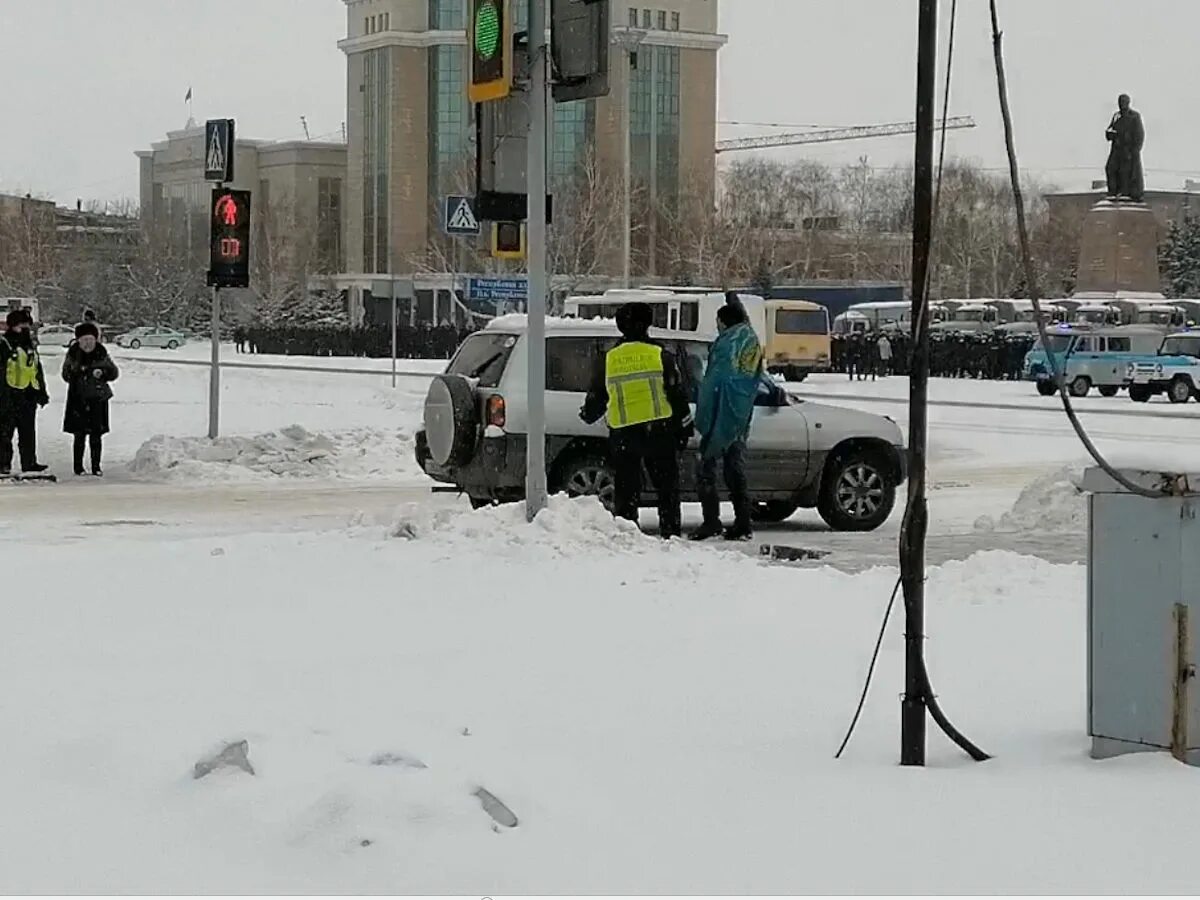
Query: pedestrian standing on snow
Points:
[22, 393]
[885, 356]
[723, 415]
[640, 391]
[88, 369]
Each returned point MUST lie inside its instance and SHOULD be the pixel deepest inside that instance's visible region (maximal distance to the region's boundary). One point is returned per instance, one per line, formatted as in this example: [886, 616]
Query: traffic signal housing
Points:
[229, 233]
[508, 240]
[490, 35]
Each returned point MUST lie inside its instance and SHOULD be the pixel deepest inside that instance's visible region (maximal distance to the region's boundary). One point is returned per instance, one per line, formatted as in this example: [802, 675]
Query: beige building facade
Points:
[411, 132]
[300, 182]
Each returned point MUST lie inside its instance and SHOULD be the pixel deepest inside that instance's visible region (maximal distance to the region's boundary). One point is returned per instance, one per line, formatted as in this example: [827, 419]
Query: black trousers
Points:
[21, 417]
[655, 448]
[96, 443]
[733, 462]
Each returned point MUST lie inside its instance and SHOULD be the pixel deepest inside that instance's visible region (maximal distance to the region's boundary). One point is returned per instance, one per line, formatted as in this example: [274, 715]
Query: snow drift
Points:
[292, 452]
[1055, 502]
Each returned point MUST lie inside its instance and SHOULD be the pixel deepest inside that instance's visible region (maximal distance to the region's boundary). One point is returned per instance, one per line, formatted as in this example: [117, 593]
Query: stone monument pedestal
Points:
[1118, 253]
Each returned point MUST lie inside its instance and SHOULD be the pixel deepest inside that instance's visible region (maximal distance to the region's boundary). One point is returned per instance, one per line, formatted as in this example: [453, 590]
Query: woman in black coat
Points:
[87, 370]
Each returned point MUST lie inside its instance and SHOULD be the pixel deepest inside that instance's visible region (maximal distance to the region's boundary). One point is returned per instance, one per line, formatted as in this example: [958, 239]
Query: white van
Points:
[690, 310]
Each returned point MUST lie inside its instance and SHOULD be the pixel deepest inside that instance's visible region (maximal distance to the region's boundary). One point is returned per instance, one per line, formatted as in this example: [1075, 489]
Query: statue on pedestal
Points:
[1124, 170]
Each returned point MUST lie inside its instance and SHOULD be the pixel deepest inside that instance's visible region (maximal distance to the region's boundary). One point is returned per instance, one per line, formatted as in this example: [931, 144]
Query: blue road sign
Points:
[497, 289]
[459, 215]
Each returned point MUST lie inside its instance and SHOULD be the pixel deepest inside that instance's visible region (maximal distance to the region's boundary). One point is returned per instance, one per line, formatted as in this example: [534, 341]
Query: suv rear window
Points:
[572, 362]
[483, 356]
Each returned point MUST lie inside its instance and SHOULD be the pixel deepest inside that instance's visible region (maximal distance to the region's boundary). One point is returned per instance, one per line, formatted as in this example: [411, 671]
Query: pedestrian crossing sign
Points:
[460, 215]
[218, 150]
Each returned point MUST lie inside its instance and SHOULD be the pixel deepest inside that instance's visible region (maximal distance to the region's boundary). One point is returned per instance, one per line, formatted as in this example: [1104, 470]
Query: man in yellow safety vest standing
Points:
[22, 391]
[649, 420]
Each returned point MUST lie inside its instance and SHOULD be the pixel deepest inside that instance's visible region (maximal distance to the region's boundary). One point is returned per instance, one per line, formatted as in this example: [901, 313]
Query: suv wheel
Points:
[1139, 393]
[1180, 389]
[857, 493]
[1108, 390]
[773, 510]
[135, 344]
[589, 476]
[1080, 386]
[1046, 388]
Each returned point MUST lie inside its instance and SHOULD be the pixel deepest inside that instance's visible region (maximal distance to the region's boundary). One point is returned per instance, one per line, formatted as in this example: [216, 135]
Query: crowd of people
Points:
[953, 354]
[88, 371]
[412, 341]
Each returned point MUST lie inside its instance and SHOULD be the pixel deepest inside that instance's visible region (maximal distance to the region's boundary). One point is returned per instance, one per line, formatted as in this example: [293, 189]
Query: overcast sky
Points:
[84, 83]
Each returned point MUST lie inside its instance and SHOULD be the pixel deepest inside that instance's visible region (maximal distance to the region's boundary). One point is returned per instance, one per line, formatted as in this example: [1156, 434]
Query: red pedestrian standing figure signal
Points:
[227, 210]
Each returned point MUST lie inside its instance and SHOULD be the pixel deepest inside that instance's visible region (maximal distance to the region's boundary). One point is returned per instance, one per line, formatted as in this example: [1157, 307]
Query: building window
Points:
[646, 18]
[633, 17]
[330, 258]
[661, 18]
[674, 21]
[574, 132]
[367, 25]
[448, 15]
[449, 139]
[376, 106]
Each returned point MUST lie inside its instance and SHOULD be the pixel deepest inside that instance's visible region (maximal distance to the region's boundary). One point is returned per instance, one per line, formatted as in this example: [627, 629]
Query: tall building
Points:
[298, 184]
[411, 132]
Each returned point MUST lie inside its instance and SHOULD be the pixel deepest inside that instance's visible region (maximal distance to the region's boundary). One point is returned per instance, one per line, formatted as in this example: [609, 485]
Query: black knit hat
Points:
[18, 317]
[85, 328]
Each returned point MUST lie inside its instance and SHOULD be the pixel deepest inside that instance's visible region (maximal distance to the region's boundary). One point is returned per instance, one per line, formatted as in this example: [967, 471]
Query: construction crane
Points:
[833, 134]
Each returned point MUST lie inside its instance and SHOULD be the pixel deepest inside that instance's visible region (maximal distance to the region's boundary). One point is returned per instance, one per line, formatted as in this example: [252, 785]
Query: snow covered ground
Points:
[661, 718]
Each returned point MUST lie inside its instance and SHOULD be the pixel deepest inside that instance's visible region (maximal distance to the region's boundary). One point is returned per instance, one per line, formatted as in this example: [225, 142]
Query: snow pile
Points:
[568, 526]
[292, 452]
[1055, 502]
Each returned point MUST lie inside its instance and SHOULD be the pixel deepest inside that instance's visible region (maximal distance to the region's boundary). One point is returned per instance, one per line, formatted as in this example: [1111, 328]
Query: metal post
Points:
[627, 163]
[394, 326]
[916, 515]
[214, 369]
[629, 40]
[535, 465]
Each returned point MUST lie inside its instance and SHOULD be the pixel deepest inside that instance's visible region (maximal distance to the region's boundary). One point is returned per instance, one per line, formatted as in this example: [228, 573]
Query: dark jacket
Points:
[596, 404]
[9, 398]
[87, 395]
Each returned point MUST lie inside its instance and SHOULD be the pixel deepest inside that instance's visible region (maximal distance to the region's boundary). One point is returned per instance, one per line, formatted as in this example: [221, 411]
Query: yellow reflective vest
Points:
[633, 374]
[22, 370]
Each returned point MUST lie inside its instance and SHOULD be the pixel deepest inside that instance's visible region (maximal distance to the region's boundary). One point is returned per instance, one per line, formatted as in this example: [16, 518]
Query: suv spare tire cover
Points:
[451, 420]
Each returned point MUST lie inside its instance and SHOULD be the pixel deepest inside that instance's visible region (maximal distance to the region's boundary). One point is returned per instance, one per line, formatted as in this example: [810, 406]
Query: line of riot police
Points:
[412, 342]
[995, 355]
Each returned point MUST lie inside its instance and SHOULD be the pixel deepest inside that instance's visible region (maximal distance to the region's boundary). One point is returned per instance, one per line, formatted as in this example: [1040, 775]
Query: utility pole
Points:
[916, 514]
[535, 336]
[629, 40]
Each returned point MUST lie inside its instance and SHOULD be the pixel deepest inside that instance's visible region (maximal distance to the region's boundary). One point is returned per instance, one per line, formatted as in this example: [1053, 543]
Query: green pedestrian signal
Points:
[491, 50]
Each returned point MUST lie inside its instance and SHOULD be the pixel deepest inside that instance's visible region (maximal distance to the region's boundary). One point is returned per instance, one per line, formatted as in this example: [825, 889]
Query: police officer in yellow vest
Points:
[22, 391]
[649, 420]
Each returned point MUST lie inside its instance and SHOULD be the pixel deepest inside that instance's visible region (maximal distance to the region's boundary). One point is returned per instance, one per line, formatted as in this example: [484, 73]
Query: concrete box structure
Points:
[1143, 562]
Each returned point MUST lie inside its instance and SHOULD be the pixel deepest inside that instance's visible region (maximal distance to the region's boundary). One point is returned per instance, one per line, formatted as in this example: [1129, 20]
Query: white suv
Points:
[845, 463]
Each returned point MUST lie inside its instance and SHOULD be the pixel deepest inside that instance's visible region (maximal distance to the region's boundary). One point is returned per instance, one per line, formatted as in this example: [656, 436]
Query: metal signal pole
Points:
[535, 465]
[916, 515]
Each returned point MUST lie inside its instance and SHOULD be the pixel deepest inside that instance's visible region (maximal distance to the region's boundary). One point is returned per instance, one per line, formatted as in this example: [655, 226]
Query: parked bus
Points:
[693, 310]
[797, 338]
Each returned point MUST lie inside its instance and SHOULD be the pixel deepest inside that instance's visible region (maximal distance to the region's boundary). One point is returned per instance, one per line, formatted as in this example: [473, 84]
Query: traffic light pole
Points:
[214, 371]
[535, 464]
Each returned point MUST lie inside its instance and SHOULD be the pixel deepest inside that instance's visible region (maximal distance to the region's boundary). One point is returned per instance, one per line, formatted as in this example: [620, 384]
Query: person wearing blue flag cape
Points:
[724, 409]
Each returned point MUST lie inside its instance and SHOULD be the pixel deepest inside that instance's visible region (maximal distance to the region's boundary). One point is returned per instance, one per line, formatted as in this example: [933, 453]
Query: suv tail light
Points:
[495, 411]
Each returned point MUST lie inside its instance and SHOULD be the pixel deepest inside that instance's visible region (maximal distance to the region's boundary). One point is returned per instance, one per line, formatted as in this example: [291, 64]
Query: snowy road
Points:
[351, 459]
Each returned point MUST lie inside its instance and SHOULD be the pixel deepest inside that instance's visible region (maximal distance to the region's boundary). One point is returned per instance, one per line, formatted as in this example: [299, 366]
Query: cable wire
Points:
[887, 614]
[1032, 282]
